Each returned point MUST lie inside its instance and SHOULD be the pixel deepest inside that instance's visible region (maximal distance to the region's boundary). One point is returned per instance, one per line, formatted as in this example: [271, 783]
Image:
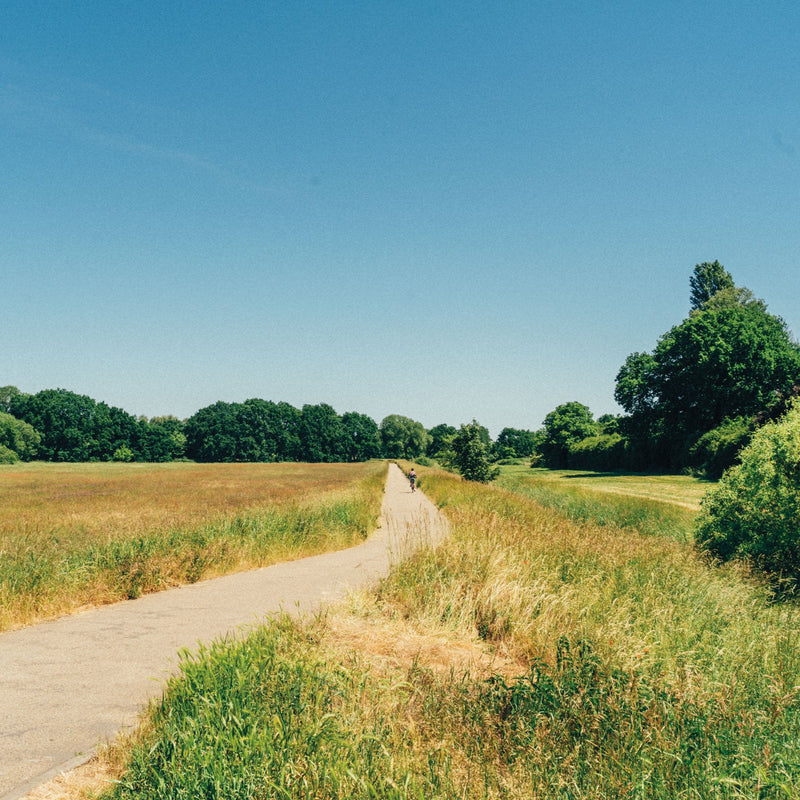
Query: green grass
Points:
[658, 504]
[620, 666]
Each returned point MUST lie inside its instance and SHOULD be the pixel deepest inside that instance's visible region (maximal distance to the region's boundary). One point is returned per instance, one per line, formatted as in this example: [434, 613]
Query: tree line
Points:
[60, 425]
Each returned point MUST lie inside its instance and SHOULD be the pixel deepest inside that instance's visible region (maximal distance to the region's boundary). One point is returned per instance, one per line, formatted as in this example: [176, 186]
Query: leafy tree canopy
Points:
[469, 454]
[566, 425]
[74, 427]
[439, 439]
[6, 395]
[321, 434]
[727, 360]
[362, 438]
[19, 437]
[402, 437]
[754, 511]
[515, 443]
[708, 279]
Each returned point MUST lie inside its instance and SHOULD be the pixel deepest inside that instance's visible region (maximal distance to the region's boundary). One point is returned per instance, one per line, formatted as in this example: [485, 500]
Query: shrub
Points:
[7, 456]
[123, 453]
[603, 453]
[718, 449]
[19, 437]
[754, 511]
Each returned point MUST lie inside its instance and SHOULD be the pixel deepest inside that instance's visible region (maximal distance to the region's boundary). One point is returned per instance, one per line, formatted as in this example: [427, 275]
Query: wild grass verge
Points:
[256, 515]
[659, 505]
[606, 663]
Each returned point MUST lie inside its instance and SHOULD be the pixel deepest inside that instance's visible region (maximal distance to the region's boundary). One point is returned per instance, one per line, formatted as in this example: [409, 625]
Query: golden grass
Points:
[685, 660]
[79, 535]
[72, 505]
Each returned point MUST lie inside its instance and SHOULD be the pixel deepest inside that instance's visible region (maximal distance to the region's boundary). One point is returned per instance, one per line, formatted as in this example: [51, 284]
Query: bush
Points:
[123, 453]
[19, 437]
[718, 449]
[603, 453]
[7, 456]
[754, 512]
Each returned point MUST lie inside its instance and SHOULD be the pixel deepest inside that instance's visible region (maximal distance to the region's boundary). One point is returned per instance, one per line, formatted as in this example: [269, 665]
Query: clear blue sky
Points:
[443, 210]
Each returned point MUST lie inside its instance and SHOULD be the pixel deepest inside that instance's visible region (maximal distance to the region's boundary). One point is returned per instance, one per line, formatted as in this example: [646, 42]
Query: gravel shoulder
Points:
[68, 685]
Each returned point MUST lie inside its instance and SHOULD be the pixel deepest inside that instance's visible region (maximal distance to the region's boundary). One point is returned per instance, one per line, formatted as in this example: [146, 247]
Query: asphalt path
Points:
[67, 686]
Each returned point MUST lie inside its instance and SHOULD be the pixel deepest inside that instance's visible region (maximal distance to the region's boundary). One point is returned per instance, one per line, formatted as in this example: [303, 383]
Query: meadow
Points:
[78, 535]
[662, 504]
[530, 655]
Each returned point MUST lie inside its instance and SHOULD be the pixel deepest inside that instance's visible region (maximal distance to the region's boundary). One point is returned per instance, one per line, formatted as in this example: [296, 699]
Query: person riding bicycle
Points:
[412, 478]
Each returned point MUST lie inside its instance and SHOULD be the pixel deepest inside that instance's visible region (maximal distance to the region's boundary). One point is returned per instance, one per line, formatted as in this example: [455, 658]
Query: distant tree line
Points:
[60, 425]
[697, 399]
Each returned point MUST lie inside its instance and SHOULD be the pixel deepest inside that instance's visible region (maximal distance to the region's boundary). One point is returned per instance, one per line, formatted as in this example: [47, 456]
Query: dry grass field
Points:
[73, 535]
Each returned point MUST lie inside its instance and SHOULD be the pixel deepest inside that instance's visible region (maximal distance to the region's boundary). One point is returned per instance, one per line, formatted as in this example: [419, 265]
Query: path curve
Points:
[69, 684]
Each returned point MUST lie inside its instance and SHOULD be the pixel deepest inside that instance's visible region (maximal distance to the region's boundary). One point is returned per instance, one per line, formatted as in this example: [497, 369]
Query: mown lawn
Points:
[680, 490]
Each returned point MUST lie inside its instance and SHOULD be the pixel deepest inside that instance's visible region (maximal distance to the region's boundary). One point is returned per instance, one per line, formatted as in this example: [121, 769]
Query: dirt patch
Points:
[82, 783]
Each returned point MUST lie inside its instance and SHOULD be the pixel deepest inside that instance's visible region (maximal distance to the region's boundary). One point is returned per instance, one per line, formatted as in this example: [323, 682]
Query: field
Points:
[678, 490]
[74, 535]
[663, 504]
[528, 656]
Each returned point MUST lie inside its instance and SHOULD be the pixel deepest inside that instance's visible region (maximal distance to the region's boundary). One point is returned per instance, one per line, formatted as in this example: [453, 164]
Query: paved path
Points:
[67, 685]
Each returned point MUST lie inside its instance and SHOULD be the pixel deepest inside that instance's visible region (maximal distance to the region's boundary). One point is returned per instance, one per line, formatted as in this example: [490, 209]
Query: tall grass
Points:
[613, 500]
[204, 523]
[630, 669]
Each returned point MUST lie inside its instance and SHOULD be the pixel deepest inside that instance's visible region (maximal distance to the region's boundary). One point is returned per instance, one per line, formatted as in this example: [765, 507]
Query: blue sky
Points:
[448, 211]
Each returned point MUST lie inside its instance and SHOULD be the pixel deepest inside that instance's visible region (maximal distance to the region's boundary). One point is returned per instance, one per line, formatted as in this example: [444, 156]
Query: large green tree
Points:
[728, 360]
[75, 427]
[6, 394]
[565, 426]
[469, 454]
[321, 434]
[362, 438]
[403, 437]
[439, 439]
[515, 443]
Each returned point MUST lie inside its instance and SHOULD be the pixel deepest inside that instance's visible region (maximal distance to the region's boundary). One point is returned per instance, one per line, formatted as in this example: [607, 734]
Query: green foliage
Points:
[19, 437]
[402, 437]
[362, 438]
[123, 453]
[603, 453]
[469, 454]
[74, 427]
[260, 430]
[321, 434]
[8, 456]
[564, 427]
[515, 443]
[727, 360]
[754, 511]
[7, 393]
[708, 279]
[439, 439]
[718, 449]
